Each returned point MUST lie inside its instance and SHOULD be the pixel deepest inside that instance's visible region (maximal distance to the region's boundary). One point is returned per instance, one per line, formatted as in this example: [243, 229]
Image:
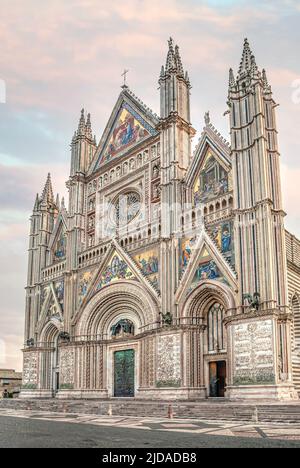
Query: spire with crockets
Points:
[174, 62]
[83, 145]
[248, 72]
[47, 195]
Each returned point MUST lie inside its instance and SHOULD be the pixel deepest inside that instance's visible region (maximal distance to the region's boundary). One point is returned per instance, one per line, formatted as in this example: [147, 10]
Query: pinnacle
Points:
[47, 195]
[248, 62]
[37, 202]
[232, 81]
[81, 125]
[265, 80]
[88, 127]
[173, 62]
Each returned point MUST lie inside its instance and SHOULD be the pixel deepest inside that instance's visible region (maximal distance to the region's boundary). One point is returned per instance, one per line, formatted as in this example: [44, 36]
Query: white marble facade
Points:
[169, 273]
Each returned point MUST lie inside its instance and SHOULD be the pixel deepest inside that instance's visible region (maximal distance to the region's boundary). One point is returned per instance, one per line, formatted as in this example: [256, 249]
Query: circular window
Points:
[125, 208]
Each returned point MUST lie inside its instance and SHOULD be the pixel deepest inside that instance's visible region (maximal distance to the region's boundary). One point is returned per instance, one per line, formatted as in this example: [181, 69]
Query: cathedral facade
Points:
[169, 274]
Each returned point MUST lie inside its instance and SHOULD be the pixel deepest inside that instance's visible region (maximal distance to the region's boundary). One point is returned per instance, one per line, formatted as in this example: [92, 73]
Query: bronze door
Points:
[124, 363]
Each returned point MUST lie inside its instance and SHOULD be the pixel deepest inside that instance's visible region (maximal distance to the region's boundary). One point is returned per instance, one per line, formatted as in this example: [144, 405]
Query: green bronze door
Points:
[124, 373]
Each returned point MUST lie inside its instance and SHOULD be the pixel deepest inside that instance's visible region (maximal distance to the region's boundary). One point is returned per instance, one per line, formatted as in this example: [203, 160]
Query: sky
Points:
[61, 55]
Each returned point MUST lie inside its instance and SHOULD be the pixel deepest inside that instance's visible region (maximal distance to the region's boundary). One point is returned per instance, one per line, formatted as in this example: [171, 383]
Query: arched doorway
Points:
[115, 316]
[216, 350]
[205, 311]
[50, 358]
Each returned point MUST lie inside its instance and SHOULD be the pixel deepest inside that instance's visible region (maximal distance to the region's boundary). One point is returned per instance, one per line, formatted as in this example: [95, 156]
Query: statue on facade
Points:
[167, 319]
[253, 302]
[64, 336]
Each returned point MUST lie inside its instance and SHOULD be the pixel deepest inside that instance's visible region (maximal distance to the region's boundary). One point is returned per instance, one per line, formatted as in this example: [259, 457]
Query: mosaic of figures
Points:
[149, 264]
[187, 248]
[222, 234]
[207, 270]
[116, 270]
[44, 295]
[129, 129]
[84, 283]
[53, 311]
[59, 288]
[213, 182]
[60, 247]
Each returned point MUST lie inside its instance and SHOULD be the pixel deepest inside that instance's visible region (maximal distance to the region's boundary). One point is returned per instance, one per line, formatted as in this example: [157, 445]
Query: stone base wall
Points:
[262, 392]
[172, 394]
[82, 394]
[35, 394]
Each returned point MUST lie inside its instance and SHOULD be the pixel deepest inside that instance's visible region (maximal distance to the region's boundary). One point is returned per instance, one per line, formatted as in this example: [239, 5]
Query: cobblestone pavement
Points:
[267, 432]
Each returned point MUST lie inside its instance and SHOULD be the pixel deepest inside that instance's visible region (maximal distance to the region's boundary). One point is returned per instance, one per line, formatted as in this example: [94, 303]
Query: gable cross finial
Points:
[207, 118]
[124, 75]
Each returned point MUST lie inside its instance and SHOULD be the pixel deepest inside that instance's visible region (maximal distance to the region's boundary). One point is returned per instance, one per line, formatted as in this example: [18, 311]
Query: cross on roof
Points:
[125, 77]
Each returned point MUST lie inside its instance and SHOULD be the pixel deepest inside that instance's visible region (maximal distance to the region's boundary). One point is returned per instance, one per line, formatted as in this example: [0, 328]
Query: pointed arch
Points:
[50, 332]
[204, 296]
[126, 300]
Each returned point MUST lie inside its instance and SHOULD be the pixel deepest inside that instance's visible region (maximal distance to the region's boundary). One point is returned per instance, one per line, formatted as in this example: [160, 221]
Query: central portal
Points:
[124, 363]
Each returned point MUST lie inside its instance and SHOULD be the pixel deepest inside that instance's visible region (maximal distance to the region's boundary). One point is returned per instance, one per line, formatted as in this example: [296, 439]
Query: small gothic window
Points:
[122, 329]
[215, 328]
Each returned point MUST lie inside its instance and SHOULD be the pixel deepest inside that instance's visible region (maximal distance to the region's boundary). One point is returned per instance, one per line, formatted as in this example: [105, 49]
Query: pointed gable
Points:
[209, 173]
[131, 123]
[58, 239]
[205, 263]
[52, 304]
[148, 263]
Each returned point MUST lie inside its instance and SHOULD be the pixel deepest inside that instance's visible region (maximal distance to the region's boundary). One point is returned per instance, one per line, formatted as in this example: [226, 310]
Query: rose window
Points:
[125, 208]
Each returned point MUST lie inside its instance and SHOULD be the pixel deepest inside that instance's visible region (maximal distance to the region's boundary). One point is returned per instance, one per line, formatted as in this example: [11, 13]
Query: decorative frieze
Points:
[67, 367]
[253, 353]
[168, 361]
[30, 370]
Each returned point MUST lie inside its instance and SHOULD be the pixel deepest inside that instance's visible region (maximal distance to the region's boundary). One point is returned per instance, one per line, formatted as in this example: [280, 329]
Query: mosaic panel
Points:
[149, 264]
[84, 283]
[116, 270]
[129, 129]
[213, 182]
[187, 247]
[222, 234]
[59, 288]
[60, 247]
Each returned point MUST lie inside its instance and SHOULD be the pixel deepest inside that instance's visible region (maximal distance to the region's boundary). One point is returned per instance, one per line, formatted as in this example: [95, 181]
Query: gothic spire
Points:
[178, 61]
[267, 86]
[81, 125]
[232, 81]
[88, 127]
[57, 202]
[171, 61]
[36, 203]
[248, 62]
[47, 195]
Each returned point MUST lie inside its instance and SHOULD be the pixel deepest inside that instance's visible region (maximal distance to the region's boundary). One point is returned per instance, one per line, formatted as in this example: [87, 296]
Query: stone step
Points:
[226, 411]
